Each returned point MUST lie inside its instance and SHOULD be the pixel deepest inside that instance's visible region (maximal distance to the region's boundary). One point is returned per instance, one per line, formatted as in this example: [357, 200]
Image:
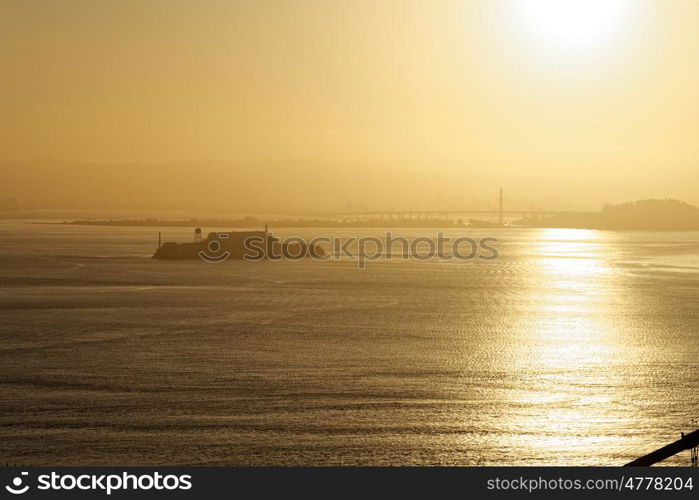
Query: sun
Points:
[571, 24]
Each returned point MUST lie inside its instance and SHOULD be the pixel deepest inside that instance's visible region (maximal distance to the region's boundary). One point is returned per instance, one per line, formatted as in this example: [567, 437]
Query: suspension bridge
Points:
[484, 207]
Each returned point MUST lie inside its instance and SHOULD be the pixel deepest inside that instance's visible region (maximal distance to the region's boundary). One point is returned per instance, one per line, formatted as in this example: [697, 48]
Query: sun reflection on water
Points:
[567, 342]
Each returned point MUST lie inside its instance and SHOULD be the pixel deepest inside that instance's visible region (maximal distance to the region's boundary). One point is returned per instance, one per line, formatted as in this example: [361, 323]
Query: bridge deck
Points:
[686, 442]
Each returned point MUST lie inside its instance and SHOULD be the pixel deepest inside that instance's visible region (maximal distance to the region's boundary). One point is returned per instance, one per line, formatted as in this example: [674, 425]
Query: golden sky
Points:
[596, 103]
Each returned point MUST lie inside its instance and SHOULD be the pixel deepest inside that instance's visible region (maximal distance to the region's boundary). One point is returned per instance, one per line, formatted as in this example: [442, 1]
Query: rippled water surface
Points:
[574, 347]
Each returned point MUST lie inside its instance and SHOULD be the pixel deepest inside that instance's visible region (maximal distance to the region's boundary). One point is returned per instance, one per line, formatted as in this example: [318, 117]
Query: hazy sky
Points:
[596, 100]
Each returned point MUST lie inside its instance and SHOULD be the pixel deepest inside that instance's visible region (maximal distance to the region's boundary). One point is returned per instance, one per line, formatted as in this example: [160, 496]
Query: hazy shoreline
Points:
[644, 215]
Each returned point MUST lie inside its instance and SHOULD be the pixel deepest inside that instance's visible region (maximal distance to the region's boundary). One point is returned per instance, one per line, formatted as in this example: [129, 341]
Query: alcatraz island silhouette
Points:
[222, 245]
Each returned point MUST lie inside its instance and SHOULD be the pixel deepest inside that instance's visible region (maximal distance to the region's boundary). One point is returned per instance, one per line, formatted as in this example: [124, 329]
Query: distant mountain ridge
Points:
[284, 186]
[288, 186]
[650, 214]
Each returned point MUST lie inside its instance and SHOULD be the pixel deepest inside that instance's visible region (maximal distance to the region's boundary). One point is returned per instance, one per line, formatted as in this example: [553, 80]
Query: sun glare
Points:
[572, 24]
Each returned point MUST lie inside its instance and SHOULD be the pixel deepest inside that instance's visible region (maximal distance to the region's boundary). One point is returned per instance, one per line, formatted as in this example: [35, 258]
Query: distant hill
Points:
[273, 186]
[643, 214]
[650, 214]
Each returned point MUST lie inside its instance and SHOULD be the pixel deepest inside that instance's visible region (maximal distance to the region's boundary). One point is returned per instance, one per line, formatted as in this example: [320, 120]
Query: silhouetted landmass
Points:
[668, 215]
[643, 215]
[255, 222]
[250, 245]
[269, 186]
